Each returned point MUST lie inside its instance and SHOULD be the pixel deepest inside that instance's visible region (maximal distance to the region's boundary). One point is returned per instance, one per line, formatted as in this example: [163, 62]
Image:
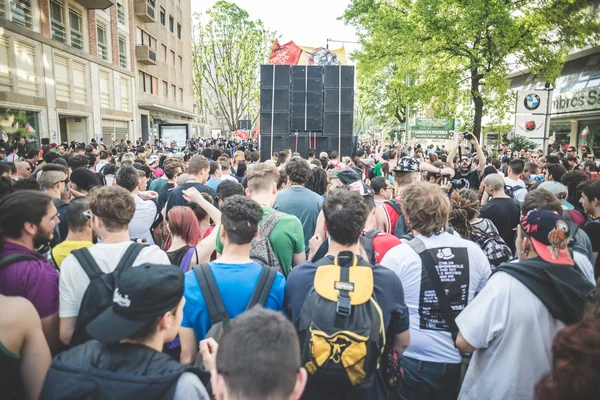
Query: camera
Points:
[459, 183]
[468, 136]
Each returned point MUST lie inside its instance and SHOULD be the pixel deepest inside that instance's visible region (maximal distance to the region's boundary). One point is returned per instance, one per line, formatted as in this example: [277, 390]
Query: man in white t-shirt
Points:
[111, 210]
[510, 325]
[513, 182]
[432, 363]
[146, 211]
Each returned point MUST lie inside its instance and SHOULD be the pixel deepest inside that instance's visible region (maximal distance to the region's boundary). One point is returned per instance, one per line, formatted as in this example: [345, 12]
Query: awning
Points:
[157, 107]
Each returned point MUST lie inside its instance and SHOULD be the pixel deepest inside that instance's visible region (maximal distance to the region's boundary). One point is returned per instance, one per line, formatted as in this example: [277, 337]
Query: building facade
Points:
[76, 70]
[575, 104]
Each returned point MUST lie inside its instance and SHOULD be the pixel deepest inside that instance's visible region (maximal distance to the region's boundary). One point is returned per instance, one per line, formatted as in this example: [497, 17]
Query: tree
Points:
[458, 52]
[227, 53]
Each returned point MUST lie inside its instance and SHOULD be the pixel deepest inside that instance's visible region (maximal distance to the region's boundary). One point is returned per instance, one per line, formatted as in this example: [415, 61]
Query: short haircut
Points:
[114, 205]
[32, 153]
[541, 199]
[170, 167]
[552, 160]
[298, 170]
[51, 175]
[27, 184]
[426, 208]
[224, 162]
[199, 212]
[213, 168]
[79, 161]
[338, 205]
[283, 157]
[591, 189]
[497, 164]
[495, 181]
[310, 153]
[197, 164]
[531, 167]
[76, 221]
[128, 177]
[61, 161]
[557, 171]
[262, 177]
[517, 166]
[127, 158]
[240, 217]
[266, 340]
[404, 178]
[50, 156]
[378, 183]
[229, 188]
[591, 165]
[248, 156]
[19, 208]
[207, 153]
[283, 179]
[255, 156]
[104, 154]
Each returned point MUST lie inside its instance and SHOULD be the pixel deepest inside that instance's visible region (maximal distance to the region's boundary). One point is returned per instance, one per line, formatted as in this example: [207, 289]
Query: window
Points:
[105, 92]
[5, 70]
[101, 36]
[164, 53]
[171, 23]
[180, 95]
[162, 16]
[173, 93]
[165, 89]
[69, 79]
[152, 3]
[178, 31]
[122, 51]
[26, 74]
[120, 13]
[76, 28]
[20, 13]
[180, 63]
[144, 38]
[148, 83]
[173, 58]
[57, 21]
[124, 94]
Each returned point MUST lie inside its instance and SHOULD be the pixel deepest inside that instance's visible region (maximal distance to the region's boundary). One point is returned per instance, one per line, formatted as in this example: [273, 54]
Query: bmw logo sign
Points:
[532, 101]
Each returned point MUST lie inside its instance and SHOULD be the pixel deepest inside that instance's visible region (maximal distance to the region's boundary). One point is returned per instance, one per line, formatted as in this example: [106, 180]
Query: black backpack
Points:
[99, 294]
[511, 190]
[366, 241]
[219, 318]
[15, 258]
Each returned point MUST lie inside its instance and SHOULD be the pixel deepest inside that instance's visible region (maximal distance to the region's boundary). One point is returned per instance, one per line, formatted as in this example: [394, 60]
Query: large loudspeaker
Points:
[313, 101]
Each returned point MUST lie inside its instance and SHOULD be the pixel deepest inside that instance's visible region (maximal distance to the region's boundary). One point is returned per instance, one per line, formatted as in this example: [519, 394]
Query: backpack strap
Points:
[371, 234]
[87, 262]
[130, 255]
[212, 296]
[428, 264]
[14, 258]
[263, 287]
[187, 260]
[267, 226]
[395, 205]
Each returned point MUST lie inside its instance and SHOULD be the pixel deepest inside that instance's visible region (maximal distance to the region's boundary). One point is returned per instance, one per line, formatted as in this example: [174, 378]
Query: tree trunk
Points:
[478, 102]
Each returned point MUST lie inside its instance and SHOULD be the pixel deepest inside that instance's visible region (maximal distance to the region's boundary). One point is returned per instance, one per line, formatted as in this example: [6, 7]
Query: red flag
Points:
[286, 54]
[241, 134]
[256, 132]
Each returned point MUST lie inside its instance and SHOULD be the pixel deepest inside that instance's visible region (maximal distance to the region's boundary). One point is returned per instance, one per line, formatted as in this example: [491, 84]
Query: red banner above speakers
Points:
[292, 54]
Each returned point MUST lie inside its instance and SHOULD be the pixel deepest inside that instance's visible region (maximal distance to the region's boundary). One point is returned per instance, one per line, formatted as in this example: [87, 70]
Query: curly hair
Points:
[298, 170]
[575, 363]
[317, 181]
[465, 207]
[426, 208]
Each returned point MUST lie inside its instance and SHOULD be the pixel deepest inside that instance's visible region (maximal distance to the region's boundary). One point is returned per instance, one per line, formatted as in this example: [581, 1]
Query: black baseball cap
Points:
[141, 295]
[84, 179]
[549, 233]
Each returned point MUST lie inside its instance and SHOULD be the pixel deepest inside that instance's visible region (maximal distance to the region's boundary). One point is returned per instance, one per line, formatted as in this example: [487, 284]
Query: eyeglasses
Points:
[27, 169]
[88, 214]
[65, 181]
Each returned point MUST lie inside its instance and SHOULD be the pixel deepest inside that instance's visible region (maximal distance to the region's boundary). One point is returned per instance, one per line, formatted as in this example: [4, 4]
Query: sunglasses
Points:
[88, 214]
[65, 181]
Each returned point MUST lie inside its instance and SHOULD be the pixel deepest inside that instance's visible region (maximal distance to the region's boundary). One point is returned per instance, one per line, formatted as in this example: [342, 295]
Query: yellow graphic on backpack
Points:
[341, 325]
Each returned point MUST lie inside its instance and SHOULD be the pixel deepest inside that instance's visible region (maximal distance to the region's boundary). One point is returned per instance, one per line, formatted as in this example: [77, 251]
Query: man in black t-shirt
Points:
[590, 200]
[467, 170]
[502, 210]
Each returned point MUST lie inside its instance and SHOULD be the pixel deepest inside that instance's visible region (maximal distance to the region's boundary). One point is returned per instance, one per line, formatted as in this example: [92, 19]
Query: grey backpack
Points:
[261, 250]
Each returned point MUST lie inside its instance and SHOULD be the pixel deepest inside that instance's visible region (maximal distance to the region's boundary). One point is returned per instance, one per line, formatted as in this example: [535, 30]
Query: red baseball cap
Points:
[549, 233]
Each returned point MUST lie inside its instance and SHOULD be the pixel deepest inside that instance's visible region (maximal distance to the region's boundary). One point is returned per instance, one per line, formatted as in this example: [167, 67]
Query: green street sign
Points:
[435, 123]
[430, 134]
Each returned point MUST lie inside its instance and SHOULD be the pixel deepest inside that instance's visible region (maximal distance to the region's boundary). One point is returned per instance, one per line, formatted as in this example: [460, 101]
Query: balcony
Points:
[144, 10]
[145, 55]
[97, 4]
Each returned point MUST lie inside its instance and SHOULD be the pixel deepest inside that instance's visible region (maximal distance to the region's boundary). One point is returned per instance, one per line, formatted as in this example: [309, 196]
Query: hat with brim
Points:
[549, 234]
[141, 295]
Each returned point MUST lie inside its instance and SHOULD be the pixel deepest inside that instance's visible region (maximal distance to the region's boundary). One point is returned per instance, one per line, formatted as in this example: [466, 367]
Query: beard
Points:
[42, 237]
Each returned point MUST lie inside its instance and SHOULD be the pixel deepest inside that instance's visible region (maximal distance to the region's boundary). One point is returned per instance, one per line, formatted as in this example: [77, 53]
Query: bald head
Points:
[495, 182]
[23, 169]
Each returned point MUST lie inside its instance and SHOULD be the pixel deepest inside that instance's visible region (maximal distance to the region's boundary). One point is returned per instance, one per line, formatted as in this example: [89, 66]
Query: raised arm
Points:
[450, 159]
[193, 196]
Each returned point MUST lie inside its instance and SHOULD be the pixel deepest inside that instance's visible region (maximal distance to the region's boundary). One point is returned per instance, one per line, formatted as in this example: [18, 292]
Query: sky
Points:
[306, 22]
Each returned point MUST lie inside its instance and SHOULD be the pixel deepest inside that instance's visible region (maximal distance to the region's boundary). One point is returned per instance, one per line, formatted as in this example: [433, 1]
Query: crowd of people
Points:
[157, 271]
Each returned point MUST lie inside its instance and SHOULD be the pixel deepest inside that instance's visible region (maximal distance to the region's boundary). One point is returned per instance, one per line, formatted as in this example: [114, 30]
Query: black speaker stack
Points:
[306, 107]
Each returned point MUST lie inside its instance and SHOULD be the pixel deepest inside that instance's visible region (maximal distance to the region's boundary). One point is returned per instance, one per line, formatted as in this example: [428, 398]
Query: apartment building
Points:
[163, 53]
[83, 69]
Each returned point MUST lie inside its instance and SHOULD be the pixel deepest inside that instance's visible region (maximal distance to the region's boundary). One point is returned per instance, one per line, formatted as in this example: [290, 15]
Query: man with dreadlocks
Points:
[465, 219]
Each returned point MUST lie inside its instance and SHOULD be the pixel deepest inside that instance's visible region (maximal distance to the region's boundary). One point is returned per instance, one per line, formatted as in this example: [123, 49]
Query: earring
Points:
[525, 252]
